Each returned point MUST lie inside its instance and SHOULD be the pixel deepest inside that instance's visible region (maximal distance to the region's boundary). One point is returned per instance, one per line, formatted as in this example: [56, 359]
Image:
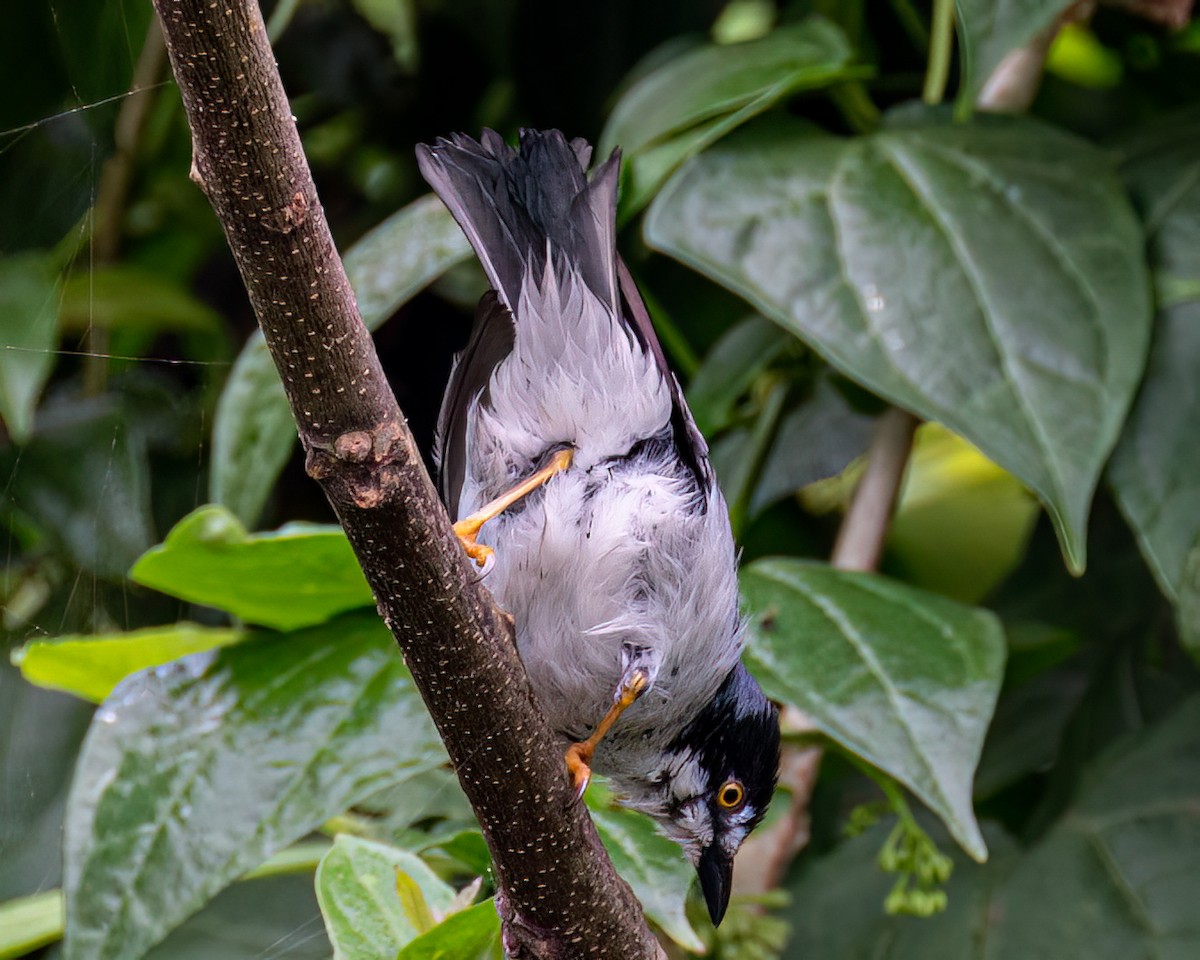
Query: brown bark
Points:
[558, 894]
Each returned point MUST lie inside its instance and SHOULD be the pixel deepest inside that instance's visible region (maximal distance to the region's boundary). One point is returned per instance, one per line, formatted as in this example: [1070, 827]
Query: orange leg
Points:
[579, 755]
[468, 528]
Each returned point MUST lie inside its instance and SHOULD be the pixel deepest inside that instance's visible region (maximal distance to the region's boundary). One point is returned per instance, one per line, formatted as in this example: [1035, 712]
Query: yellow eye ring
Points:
[731, 795]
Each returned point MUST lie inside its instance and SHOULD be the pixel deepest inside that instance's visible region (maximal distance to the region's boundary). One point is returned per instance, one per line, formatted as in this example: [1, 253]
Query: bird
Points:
[577, 478]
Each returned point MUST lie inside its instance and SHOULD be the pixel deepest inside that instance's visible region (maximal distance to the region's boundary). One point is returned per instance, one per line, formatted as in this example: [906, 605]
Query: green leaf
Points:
[397, 20]
[986, 275]
[677, 109]
[1117, 877]
[1189, 604]
[989, 29]
[253, 432]
[651, 864]
[30, 922]
[130, 298]
[466, 935]
[29, 300]
[737, 358]
[905, 679]
[1155, 472]
[376, 898]
[84, 480]
[193, 774]
[836, 908]
[298, 576]
[816, 440]
[90, 666]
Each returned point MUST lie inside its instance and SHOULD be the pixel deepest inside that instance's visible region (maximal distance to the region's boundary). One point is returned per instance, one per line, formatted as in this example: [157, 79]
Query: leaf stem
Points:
[860, 540]
[116, 178]
[941, 43]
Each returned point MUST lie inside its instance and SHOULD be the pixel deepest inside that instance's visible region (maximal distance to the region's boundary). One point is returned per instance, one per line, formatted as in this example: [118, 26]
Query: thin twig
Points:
[860, 540]
[941, 45]
[112, 193]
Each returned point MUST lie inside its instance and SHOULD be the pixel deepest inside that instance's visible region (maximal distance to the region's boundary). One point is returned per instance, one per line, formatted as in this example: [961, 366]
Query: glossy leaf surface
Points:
[1155, 472]
[692, 100]
[986, 275]
[989, 30]
[195, 773]
[300, 575]
[905, 679]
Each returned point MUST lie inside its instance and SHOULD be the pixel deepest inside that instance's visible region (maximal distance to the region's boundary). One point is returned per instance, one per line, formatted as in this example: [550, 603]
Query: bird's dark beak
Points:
[716, 880]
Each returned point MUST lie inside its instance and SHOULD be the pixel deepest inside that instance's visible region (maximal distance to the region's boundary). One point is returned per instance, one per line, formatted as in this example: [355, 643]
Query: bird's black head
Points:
[727, 762]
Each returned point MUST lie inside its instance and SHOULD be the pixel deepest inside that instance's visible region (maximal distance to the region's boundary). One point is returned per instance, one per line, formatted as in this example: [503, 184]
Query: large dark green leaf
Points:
[987, 275]
[692, 100]
[1118, 876]
[253, 432]
[84, 481]
[272, 918]
[836, 907]
[1189, 603]
[195, 773]
[298, 576]
[905, 679]
[29, 295]
[1155, 472]
[1115, 878]
[989, 29]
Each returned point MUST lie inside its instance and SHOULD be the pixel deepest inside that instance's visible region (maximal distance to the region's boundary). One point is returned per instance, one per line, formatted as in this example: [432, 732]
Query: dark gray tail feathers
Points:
[515, 205]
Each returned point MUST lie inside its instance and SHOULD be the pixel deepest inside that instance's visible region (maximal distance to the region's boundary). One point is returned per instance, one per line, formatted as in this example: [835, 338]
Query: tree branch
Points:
[557, 892]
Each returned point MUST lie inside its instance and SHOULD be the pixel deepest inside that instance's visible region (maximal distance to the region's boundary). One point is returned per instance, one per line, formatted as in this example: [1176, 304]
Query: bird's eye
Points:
[731, 795]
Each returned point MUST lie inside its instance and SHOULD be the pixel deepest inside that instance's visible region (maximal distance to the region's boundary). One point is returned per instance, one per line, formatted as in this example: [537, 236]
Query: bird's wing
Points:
[693, 449]
[491, 341]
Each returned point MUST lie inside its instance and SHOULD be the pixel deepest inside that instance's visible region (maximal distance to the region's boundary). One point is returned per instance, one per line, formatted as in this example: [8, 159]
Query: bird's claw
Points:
[481, 554]
[579, 770]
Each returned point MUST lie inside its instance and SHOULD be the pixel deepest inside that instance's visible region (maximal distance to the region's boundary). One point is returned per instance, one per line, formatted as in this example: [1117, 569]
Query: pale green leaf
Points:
[90, 666]
[376, 898]
[471, 934]
[300, 575]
